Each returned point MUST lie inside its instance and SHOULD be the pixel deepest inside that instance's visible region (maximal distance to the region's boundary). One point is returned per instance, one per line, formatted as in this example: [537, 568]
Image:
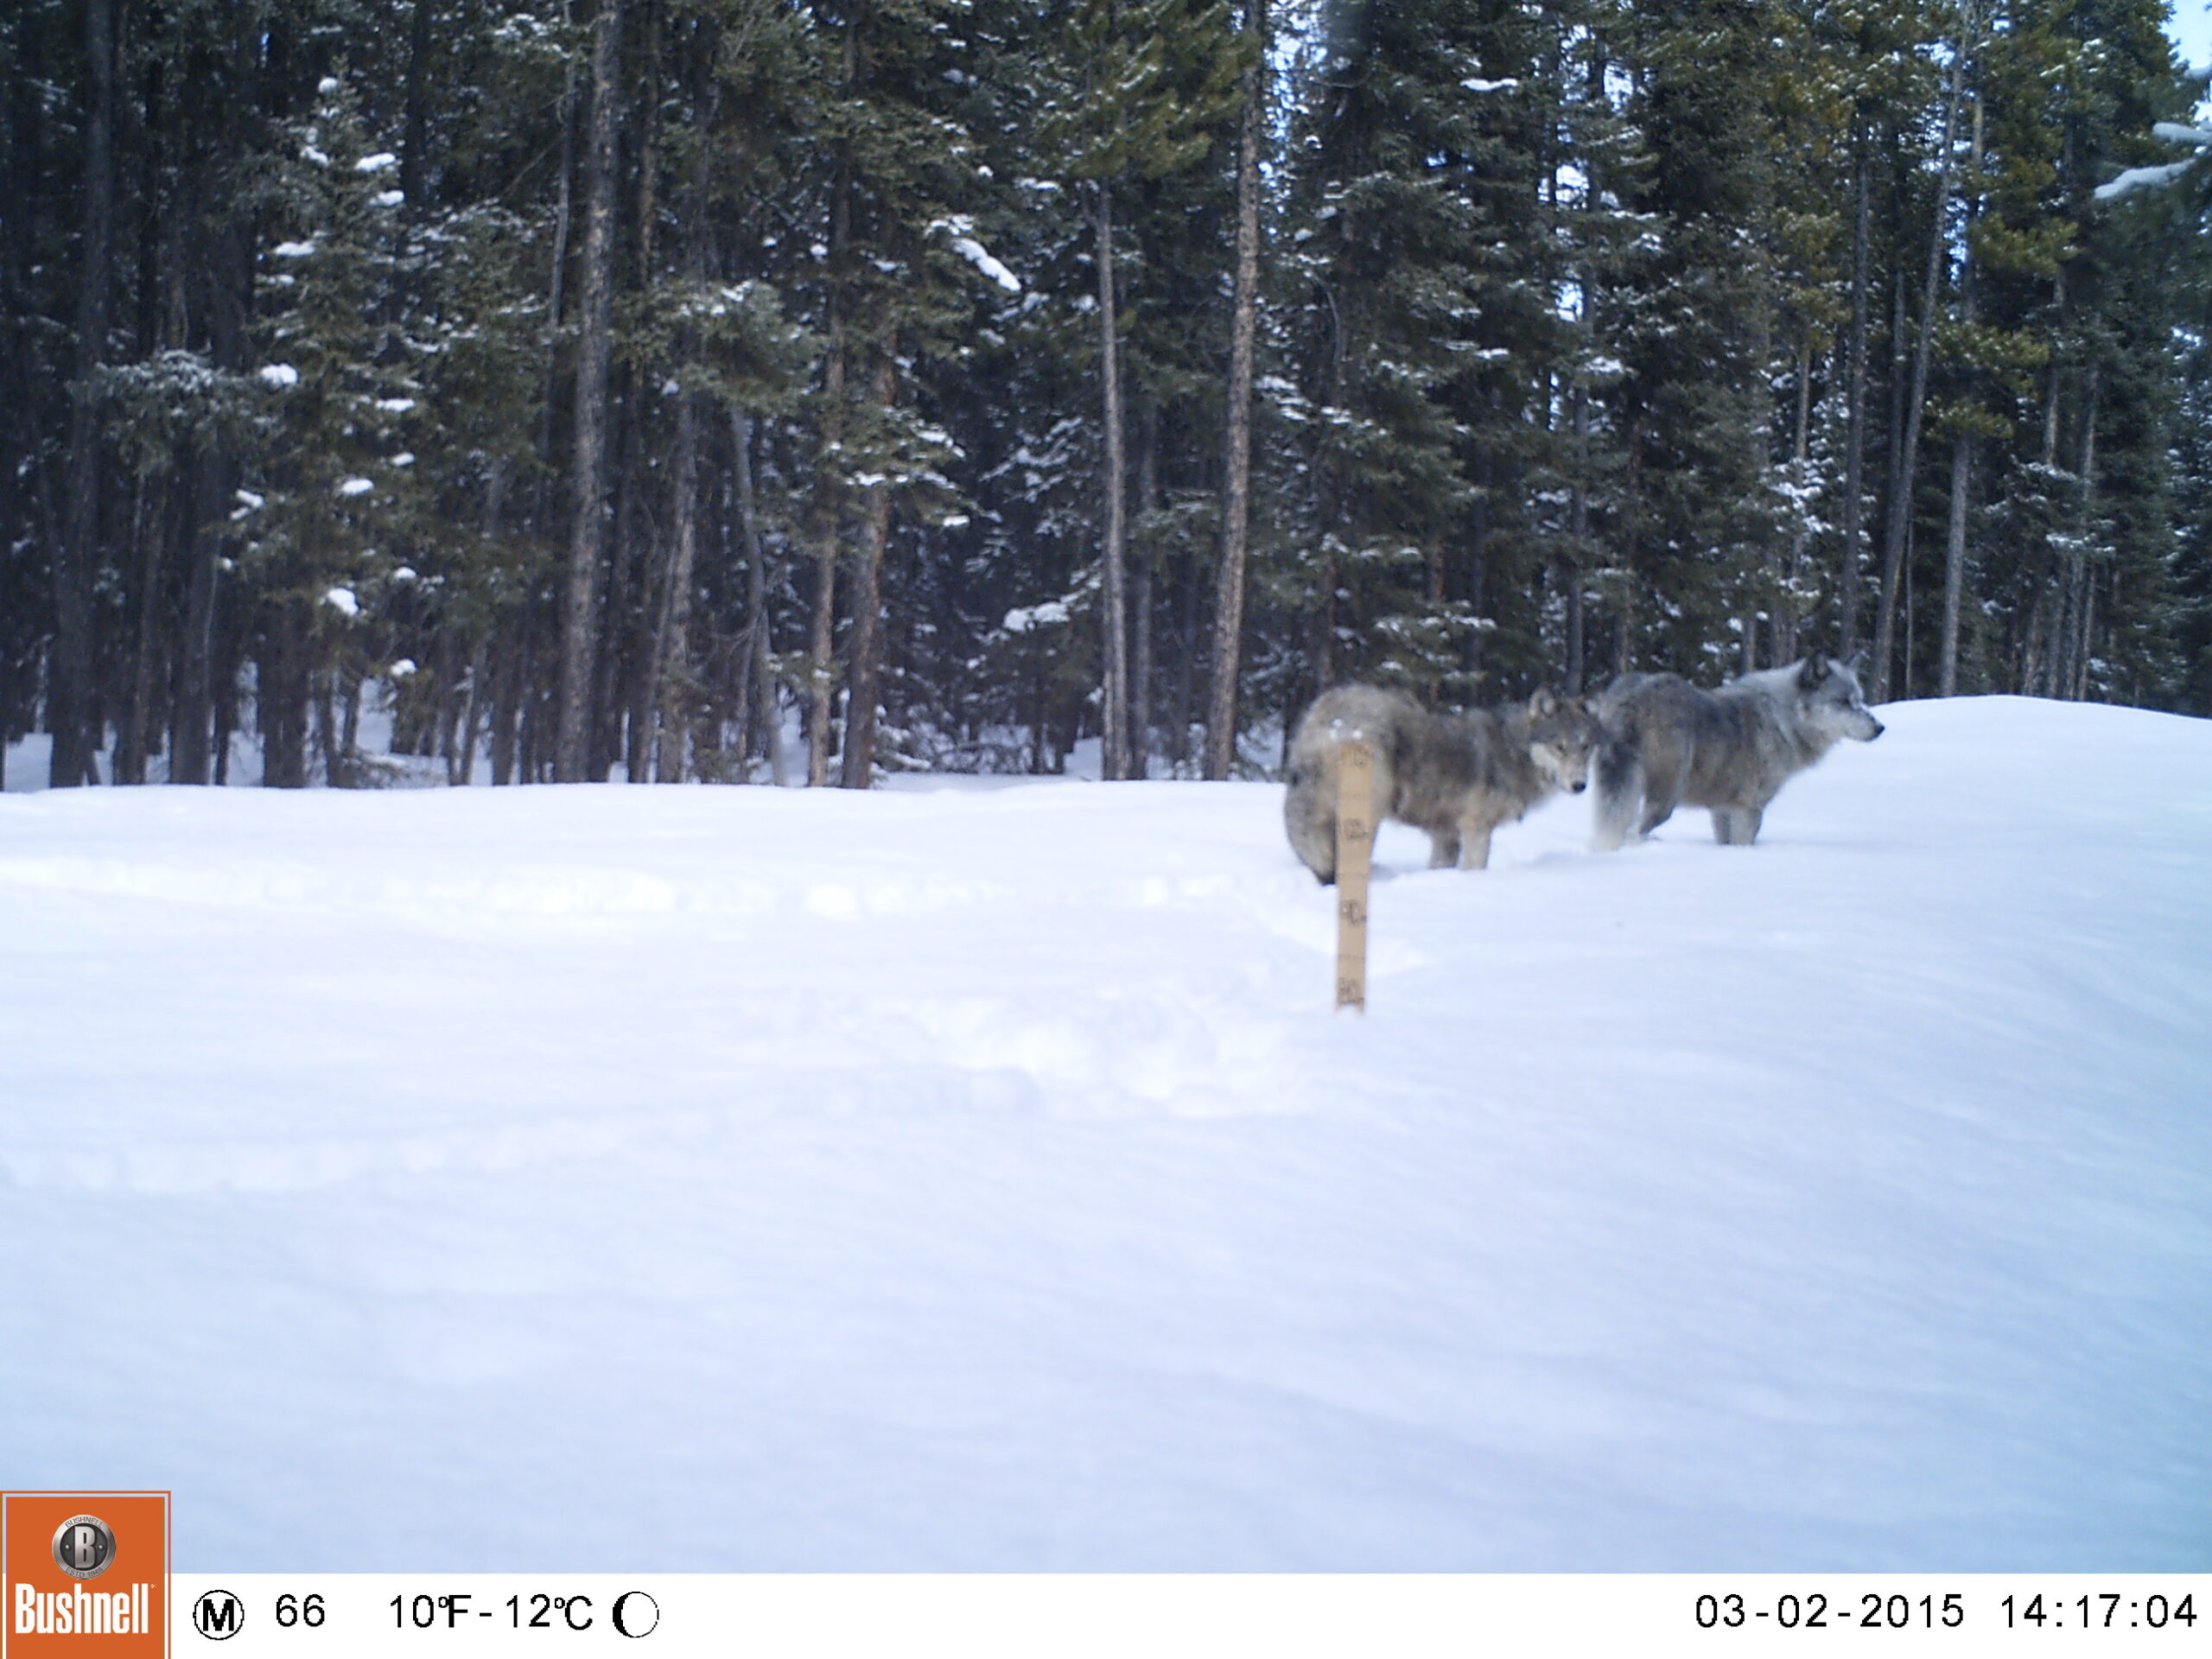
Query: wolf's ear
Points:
[1543, 705]
[1856, 660]
[1814, 670]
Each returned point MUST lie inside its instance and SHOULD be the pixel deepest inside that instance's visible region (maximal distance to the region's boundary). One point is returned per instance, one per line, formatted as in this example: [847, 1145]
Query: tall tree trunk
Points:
[189, 733]
[1854, 447]
[866, 643]
[529, 703]
[1237, 471]
[1954, 563]
[506, 708]
[556, 303]
[281, 695]
[137, 723]
[661, 687]
[2081, 578]
[1113, 599]
[2083, 656]
[587, 528]
[1141, 669]
[1900, 514]
[1182, 698]
[1784, 648]
[230, 659]
[1577, 530]
[1955, 547]
[461, 770]
[625, 607]
[414, 141]
[350, 726]
[829, 504]
[642, 559]
[758, 669]
[1141, 594]
[228, 273]
[657, 721]
[821, 671]
[76, 561]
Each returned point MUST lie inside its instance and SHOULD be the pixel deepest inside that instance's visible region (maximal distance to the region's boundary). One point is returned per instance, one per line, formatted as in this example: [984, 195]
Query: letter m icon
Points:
[218, 1615]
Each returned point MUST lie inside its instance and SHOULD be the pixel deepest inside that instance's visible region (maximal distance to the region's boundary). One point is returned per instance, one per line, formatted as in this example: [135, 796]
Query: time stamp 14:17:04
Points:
[1874, 1612]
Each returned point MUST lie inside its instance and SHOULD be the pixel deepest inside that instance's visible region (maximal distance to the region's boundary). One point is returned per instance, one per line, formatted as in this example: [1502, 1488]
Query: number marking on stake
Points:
[1355, 854]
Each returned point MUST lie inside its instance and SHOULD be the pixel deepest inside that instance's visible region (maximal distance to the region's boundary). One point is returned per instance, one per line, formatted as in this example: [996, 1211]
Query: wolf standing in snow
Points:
[1456, 776]
[1669, 744]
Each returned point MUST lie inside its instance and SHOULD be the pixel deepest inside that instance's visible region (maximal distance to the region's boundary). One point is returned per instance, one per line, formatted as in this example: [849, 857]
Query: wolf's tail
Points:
[1620, 788]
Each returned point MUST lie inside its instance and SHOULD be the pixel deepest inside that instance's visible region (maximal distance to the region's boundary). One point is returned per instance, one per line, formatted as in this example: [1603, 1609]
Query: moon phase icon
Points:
[636, 1613]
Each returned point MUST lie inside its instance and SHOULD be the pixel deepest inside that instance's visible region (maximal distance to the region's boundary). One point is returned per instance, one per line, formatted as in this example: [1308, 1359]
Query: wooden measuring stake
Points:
[1355, 856]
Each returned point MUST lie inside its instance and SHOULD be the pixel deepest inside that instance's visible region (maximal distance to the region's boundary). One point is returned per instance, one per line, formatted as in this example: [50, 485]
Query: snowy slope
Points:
[976, 1177]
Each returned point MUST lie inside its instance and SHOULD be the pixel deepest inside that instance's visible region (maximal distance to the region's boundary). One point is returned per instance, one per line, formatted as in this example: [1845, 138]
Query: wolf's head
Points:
[1561, 735]
[1830, 701]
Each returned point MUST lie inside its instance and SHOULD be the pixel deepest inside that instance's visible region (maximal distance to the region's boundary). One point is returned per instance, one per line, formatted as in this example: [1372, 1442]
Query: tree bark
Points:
[1237, 471]
[1114, 714]
[587, 528]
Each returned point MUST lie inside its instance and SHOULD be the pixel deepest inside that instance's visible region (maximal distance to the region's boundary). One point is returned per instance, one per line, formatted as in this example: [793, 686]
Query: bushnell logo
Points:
[84, 1575]
[84, 1545]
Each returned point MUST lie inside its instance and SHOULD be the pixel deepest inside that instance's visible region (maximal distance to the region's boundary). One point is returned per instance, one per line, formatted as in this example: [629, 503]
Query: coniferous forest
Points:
[613, 385]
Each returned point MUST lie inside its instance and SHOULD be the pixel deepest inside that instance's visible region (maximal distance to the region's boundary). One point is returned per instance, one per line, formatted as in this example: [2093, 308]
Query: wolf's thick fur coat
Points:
[1669, 744]
[1456, 776]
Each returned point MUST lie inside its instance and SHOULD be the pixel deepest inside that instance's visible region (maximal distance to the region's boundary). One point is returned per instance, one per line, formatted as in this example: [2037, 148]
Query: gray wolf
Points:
[1456, 776]
[1669, 744]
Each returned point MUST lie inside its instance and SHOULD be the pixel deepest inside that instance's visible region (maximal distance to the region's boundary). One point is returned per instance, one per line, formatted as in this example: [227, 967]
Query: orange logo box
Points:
[84, 1575]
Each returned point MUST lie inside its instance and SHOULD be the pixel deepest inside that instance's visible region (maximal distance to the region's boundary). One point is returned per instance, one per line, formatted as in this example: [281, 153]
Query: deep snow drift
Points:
[607, 1177]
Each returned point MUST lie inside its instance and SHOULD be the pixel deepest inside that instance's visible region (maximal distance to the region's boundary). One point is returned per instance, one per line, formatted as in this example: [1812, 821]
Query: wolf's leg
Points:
[1620, 792]
[1475, 853]
[1443, 849]
[1309, 815]
[1735, 826]
[1662, 792]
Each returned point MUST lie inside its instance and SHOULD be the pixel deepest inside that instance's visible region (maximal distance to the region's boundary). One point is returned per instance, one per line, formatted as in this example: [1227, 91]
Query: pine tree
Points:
[334, 483]
[1419, 184]
[1703, 500]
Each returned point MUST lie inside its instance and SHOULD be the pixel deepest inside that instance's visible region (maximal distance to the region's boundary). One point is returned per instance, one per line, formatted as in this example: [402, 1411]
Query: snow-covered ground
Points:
[623, 1178]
